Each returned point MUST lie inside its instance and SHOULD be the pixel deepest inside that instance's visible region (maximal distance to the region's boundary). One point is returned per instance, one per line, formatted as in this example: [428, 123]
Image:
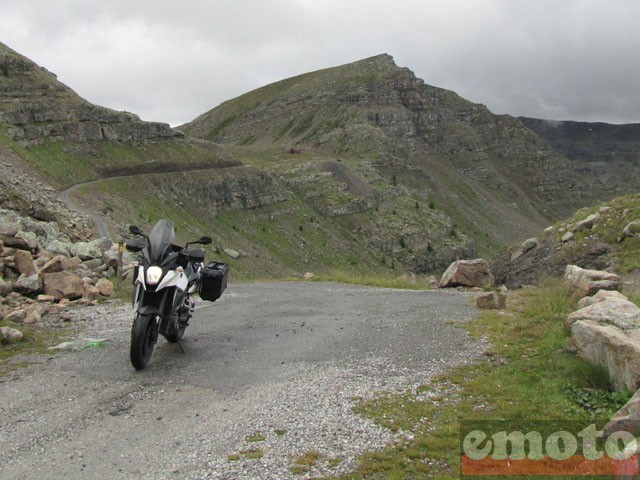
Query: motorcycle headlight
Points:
[154, 274]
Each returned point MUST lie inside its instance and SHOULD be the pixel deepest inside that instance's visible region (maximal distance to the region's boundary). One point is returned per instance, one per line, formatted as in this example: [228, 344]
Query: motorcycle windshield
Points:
[161, 237]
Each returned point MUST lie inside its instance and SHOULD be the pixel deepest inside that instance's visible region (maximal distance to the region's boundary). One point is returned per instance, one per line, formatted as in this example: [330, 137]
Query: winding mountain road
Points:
[66, 197]
[270, 372]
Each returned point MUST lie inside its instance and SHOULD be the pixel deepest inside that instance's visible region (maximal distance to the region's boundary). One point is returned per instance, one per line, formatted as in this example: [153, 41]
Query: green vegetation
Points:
[304, 463]
[255, 438]
[614, 217]
[250, 454]
[527, 375]
[36, 341]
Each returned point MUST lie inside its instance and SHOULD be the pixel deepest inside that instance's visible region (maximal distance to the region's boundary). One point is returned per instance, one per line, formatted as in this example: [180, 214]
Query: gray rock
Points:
[467, 273]
[105, 287]
[28, 285]
[29, 239]
[583, 282]
[600, 296]
[626, 419]
[618, 312]
[24, 262]
[492, 300]
[587, 223]
[63, 285]
[94, 263]
[609, 347]
[5, 288]
[631, 229]
[232, 253]
[525, 247]
[567, 236]
[11, 334]
[57, 246]
[16, 316]
[85, 250]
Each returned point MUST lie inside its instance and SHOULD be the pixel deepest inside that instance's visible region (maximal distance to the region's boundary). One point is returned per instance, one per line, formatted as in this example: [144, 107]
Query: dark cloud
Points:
[171, 61]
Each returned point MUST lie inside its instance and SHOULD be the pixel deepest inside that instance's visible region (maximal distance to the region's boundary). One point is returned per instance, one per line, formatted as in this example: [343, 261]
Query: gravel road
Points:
[279, 362]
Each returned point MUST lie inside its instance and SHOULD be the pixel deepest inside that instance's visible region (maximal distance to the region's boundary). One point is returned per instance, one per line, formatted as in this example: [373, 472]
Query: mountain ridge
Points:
[360, 168]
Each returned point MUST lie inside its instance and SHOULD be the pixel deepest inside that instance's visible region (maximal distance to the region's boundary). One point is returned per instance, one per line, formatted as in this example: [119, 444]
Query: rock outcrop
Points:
[40, 108]
[597, 238]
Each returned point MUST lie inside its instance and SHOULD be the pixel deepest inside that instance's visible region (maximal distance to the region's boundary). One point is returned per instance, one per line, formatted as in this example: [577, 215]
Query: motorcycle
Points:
[165, 277]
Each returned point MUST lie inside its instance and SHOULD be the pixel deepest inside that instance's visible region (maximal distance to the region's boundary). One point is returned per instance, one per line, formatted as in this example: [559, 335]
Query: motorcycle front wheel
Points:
[143, 339]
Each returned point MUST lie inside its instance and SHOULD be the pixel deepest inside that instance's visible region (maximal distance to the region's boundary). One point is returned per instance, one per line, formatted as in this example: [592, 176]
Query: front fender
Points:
[148, 310]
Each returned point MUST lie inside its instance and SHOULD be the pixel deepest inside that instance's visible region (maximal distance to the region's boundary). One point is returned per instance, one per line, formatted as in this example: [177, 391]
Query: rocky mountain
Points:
[606, 156]
[495, 178]
[40, 108]
[602, 237]
[361, 168]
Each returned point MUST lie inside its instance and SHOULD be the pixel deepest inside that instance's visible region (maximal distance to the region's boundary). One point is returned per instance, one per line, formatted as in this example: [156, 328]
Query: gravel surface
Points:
[271, 371]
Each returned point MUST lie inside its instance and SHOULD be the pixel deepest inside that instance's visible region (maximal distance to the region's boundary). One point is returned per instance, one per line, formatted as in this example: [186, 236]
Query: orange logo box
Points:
[576, 466]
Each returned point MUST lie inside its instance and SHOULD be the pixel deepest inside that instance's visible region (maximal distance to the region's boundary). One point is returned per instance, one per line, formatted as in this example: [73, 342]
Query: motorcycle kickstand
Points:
[180, 345]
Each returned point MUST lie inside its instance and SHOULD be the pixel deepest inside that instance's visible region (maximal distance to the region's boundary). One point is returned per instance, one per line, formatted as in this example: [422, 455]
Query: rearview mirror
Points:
[135, 230]
[204, 240]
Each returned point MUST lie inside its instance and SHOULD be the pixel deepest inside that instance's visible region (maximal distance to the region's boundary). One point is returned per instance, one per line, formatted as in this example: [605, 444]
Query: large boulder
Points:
[610, 348]
[63, 285]
[600, 296]
[583, 282]
[467, 273]
[618, 312]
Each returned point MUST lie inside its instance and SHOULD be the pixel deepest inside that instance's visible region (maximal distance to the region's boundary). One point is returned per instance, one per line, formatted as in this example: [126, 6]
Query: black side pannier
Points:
[213, 281]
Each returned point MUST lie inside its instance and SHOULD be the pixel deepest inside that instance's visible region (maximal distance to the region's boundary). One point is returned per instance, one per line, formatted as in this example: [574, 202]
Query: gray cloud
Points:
[169, 61]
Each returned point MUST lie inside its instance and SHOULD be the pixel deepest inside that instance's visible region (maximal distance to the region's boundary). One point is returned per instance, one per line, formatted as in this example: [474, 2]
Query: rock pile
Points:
[606, 328]
[42, 271]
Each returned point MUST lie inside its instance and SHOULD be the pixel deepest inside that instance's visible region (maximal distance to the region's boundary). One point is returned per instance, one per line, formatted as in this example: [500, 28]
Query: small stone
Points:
[46, 298]
[567, 236]
[16, 316]
[24, 262]
[492, 300]
[232, 253]
[309, 276]
[11, 334]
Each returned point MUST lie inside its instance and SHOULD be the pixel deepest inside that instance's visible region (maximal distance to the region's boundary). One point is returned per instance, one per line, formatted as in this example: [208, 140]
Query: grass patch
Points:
[255, 437]
[528, 375]
[36, 340]
[249, 454]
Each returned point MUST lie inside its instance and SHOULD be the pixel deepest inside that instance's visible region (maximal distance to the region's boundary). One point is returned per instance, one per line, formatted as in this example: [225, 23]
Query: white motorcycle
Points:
[165, 277]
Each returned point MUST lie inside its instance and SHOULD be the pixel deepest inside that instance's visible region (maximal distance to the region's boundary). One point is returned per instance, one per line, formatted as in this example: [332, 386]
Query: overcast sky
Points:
[170, 61]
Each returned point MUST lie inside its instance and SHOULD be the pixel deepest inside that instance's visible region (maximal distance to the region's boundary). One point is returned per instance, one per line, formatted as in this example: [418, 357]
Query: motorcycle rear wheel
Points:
[143, 339]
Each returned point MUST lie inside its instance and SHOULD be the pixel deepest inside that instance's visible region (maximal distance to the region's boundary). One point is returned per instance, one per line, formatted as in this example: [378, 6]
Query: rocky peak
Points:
[38, 107]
